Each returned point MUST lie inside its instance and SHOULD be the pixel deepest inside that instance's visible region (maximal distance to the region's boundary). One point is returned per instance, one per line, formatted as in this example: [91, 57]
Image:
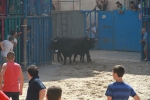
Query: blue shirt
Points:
[123, 8]
[145, 37]
[35, 85]
[120, 91]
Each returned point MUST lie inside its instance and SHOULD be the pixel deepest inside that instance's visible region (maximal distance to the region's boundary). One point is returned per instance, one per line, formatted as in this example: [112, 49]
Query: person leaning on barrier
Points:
[133, 6]
[121, 9]
[54, 93]
[101, 4]
[117, 3]
[14, 34]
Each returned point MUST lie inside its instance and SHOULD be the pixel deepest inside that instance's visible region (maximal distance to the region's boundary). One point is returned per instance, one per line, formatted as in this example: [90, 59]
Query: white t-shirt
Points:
[15, 40]
[139, 6]
[8, 46]
[90, 30]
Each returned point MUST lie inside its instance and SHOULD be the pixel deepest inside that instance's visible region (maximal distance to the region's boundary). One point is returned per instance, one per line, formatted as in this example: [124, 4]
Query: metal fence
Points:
[38, 40]
[15, 7]
[114, 30]
[68, 23]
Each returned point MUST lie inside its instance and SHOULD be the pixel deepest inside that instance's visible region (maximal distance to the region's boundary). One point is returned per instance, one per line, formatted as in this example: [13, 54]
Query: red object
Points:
[3, 7]
[3, 96]
[11, 77]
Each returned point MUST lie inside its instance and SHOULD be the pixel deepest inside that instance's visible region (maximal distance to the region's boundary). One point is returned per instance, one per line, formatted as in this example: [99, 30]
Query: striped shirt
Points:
[120, 91]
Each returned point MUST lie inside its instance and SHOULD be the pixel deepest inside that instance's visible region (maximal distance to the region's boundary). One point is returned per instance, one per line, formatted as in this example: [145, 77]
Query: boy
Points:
[121, 9]
[36, 89]
[54, 93]
[13, 78]
[120, 90]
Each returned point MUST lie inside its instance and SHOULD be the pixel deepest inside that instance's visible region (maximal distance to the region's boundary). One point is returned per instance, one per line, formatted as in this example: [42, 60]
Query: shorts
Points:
[13, 95]
[145, 47]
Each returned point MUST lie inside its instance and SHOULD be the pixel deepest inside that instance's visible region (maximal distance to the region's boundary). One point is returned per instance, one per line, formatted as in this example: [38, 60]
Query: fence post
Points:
[24, 42]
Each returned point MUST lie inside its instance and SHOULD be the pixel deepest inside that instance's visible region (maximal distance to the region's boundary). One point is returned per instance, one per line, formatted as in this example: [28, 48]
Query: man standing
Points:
[92, 30]
[144, 41]
[8, 46]
[13, 78]
[36, 89]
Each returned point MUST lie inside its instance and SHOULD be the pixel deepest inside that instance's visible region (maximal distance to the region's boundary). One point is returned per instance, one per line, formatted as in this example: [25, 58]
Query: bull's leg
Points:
[75, 55]
[64, 60]
[61, 57]
[58, 54]
[82, 58]
[88, 56]
[53, 54]
[70, 59]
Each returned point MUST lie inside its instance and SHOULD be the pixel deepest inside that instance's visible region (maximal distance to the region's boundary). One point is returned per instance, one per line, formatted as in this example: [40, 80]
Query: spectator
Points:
[120, 90]
[133, 6]
[36, 89]
[121, 9]
[117, 3]
[101, 4]
[92, 30]
[13, 77]
[3, 96]
[14, 34]
[54, 93]
[8, 46]
[139, 6]
[144, 42]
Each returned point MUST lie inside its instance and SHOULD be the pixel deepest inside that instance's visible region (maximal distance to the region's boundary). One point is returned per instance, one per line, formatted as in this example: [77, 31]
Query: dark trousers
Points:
[13, 95]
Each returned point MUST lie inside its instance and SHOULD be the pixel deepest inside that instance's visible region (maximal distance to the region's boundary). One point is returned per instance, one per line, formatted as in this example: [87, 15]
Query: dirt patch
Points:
[89, 81]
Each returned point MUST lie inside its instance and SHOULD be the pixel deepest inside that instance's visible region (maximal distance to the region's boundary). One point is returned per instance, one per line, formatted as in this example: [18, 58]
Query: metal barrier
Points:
[38, 7]
[68, 23]
[115, 33]
[15, 7]
[39, 40]
[13, 23]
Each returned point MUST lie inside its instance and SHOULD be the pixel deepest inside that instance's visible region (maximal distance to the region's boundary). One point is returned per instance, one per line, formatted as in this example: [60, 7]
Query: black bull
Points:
[70, 45]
